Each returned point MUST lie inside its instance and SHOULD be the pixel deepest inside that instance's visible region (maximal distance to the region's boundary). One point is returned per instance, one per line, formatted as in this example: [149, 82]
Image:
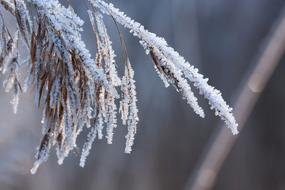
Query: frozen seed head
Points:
[77, 92]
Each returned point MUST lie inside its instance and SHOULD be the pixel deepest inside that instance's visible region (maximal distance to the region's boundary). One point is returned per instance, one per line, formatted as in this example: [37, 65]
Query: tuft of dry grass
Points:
[76, 92]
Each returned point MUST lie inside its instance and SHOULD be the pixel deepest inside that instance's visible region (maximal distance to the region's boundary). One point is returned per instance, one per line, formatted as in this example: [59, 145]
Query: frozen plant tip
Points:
[128, 105]
[77, 92]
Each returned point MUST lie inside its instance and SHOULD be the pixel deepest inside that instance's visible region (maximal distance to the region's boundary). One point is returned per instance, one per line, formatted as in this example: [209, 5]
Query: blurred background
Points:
[223, 38]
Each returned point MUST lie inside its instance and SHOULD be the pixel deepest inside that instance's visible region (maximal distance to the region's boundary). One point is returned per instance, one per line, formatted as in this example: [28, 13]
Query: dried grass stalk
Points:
[75, 91]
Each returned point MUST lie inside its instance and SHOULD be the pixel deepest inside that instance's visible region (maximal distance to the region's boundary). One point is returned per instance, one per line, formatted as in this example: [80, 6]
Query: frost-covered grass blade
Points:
[77, 92]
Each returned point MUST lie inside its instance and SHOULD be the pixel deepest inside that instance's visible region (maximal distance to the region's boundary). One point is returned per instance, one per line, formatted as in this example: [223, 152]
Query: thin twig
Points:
[222, 141]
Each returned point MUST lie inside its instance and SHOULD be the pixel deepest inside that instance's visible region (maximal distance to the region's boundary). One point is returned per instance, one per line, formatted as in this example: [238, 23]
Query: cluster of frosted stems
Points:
[77, 92]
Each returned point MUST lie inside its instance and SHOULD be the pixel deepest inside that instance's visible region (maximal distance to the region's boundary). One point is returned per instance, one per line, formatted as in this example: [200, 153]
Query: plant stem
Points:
[222, 141]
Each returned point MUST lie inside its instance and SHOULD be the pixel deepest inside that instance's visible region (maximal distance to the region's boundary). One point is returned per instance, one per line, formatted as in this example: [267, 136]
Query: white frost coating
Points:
[38, 162]
[90, 139]
[124, 103]
[111, 117]
[162, 77]
[23, 18]
[214, 96]
[42, 154]
[54, 93]
[107, 55]
[174, 76]
[87, 146]
[68, 132]
[35, 167]
[105, 47]
[60, 151]
[9, 5]
[70, 25]
[128, 106]
[101, 113]
[12, 53]
[44, 122]
[28, 79]
[10, 67]
[150, 40]
[63, 93]
[15, 100]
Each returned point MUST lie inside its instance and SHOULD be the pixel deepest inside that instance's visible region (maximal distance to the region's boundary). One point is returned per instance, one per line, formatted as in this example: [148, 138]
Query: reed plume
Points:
[77, 92]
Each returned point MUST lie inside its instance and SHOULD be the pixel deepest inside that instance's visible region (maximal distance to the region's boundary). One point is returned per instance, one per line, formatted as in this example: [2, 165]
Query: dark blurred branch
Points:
[222, 141]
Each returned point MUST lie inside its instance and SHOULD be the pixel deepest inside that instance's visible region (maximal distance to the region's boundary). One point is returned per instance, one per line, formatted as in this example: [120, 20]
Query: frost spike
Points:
[107, 61]
[128, 105]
